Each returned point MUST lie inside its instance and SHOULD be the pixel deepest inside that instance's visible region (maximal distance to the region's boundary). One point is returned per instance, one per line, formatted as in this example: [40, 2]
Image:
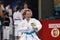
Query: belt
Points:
[29, 33]
[17, 19]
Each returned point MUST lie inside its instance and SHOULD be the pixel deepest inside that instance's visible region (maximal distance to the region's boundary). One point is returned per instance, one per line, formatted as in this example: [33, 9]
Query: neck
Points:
[28, 19]
[25, 8]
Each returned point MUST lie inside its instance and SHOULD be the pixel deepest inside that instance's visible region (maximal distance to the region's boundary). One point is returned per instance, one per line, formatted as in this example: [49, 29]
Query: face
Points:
[25, 6]
[8, 6]
[28, 14]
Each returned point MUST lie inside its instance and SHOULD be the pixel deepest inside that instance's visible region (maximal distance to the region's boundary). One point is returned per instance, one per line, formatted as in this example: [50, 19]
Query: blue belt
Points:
[29, 33]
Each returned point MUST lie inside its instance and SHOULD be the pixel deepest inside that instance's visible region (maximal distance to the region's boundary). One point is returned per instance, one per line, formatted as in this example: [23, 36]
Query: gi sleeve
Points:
[38, 25]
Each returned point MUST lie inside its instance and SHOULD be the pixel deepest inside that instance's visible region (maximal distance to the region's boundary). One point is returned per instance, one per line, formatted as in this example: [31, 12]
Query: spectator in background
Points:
[1, 16]
[6, 27]
[17, 17]
[1, 11]
[10, 12]
[6, 19]
[0, 27]
[2, 6]
[25, 7]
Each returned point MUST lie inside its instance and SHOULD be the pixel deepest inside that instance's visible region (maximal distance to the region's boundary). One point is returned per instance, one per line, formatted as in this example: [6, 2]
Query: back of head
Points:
[17, 8]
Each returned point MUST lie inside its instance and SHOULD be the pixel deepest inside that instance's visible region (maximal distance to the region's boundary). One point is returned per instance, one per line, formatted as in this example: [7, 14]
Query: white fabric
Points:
[26, 27]
[11, 25]
[0, 22]
[9, 11]
[10, 17]
[6, 31]
[17, 15]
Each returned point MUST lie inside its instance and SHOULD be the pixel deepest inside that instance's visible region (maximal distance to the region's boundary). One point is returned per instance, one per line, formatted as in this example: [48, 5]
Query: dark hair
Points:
[10, 6]
[1, 2]
[6, 13]
[25, 2]
[17, 8]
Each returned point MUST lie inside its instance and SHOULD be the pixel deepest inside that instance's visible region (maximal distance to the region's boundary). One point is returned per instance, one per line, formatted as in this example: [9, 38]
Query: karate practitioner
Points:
[9, 10]
[17, 16]
[6, 28]
[29, 26]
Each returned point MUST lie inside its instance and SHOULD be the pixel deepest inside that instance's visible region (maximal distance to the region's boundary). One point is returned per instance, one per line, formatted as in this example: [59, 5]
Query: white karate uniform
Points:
[11, 26]
[9, 11]
[10, 17]
[28, 32]
[17, 16]
[6, 30]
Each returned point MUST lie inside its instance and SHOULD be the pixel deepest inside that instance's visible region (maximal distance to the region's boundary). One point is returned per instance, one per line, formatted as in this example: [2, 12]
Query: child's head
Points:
[17, 8]
[27, 14]
[25, 5]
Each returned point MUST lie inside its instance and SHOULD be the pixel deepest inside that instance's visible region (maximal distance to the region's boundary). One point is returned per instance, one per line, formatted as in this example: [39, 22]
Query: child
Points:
[29, 26]
[6, 30]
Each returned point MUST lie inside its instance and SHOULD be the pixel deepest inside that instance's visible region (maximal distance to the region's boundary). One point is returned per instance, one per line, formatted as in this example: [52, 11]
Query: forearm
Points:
[23, 29]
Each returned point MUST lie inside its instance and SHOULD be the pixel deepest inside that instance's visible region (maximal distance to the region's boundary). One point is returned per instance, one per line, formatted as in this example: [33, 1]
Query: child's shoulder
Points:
[33, 19]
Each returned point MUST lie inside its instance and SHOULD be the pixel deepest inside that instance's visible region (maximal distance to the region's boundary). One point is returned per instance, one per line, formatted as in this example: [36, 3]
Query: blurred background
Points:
[33, 5]
[42, 9]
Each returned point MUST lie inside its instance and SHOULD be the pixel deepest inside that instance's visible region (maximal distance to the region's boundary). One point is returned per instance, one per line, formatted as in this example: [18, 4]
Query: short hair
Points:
[25, 12]
[25, 2]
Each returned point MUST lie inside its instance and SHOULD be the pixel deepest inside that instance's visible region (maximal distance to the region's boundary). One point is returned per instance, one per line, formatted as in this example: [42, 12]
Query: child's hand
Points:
[34, 26]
